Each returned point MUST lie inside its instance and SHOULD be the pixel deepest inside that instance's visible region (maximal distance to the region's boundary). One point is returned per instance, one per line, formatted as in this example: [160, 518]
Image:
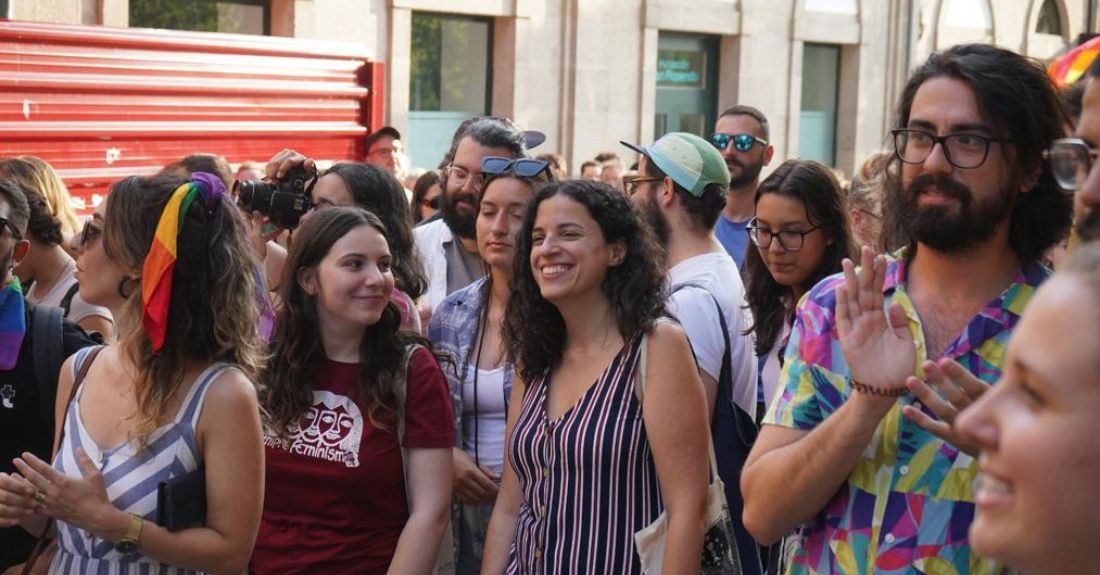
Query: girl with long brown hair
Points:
[359, 428]
[173, 397]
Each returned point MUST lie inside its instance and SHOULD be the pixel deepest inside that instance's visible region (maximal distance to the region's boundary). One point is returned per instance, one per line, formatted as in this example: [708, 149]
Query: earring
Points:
[126, 287]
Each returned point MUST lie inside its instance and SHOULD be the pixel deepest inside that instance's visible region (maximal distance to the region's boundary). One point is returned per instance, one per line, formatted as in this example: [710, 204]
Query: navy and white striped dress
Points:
[131, 480]
[588, 478]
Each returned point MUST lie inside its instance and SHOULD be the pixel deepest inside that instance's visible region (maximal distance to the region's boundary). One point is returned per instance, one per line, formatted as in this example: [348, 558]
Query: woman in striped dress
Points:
[172, 396]
[588, 461]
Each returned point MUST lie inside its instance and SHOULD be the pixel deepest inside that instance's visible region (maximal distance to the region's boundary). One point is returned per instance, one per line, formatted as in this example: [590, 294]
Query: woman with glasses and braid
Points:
[801, 234]
[468, 325]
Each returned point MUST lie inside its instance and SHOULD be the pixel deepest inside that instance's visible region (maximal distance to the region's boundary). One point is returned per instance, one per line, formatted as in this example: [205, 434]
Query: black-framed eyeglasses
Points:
[4, 223]
[789, 240]
[964, 151]
[1070, 161]
[741, 142]
[630, 183]
[522, 167]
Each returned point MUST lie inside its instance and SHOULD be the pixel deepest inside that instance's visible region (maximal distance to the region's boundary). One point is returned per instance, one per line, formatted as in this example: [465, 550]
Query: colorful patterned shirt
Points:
[908, 504]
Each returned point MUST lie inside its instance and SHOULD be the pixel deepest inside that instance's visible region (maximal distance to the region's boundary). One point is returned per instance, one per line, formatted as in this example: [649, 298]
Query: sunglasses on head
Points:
[741, 142]
[523, 167]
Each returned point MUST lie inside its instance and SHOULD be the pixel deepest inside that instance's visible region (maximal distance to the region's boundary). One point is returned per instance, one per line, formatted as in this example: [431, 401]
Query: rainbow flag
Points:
[156, 278]
[1069, 67]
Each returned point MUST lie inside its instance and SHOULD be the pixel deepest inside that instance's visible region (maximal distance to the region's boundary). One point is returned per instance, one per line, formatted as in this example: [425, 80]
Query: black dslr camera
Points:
[284, 202]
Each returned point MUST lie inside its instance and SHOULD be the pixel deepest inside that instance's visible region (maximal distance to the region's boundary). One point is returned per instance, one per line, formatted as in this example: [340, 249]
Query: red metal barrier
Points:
[102, 103]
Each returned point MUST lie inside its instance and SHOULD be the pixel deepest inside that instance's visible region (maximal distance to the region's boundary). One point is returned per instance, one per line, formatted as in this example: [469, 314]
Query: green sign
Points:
[681, 69]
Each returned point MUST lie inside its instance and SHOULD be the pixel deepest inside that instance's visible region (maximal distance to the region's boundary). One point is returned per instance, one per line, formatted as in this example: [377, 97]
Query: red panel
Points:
[102, 103]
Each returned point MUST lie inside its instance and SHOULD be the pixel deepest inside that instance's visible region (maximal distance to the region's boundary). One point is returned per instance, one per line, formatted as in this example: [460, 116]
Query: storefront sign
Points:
[681, 69]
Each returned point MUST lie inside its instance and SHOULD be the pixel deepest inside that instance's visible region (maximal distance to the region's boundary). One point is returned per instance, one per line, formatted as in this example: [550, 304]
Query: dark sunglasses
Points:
[4, 223]
[522, 167]
[432, 203]
[741, 142]
[89, 232]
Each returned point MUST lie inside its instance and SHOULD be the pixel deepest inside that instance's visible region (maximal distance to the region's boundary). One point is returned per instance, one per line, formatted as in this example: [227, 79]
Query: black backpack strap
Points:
[46, 337]
[733, 433]
[67, 301]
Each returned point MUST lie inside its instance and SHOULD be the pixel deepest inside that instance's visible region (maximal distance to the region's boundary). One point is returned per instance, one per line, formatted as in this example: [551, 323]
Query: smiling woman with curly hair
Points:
[590, 459]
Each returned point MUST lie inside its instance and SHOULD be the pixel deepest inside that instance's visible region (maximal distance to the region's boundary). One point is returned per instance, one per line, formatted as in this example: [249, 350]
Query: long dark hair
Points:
[378, 192]
[297, 348]
[420, 189]
[212, 315]
[815, 186]
[533, 327]
[1015, 95]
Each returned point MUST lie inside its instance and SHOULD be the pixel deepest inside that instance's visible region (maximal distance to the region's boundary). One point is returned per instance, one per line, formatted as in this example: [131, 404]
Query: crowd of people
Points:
[492, 367]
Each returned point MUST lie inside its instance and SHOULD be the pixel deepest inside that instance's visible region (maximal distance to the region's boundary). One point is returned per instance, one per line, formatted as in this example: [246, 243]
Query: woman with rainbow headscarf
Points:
[173, 398]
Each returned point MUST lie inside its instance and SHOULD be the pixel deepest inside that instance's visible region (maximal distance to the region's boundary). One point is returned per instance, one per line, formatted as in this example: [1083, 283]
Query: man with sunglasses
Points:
[33, 343]
[448, 245]
[859, 453]
[741, 136]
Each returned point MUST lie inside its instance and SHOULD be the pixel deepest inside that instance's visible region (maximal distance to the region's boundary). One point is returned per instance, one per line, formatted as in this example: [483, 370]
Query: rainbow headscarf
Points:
[156, 277]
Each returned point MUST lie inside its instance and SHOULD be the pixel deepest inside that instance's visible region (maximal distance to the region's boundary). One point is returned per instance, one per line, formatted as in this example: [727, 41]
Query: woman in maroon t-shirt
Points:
[337, 500]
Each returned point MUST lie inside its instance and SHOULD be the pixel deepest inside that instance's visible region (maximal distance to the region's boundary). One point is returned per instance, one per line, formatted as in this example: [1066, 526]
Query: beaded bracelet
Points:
[864, 388]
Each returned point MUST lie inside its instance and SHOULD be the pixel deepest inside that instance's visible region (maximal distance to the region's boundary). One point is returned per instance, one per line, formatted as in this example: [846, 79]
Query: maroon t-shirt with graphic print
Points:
[335, 499]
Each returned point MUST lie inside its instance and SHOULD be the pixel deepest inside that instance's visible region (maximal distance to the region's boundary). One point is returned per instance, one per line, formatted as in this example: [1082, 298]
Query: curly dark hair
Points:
[297, 348]
[817, 188]
[635, 289]
[377, 191]
[43, 226]
[1017, 98]
[420, 189]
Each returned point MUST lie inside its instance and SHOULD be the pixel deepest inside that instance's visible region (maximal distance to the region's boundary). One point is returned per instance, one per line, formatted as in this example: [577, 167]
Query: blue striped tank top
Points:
[588, 478]
[131, 480]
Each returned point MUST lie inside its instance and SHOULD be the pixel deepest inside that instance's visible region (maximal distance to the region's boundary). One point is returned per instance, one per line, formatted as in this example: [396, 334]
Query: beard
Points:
[749, 172]
[1087, 226]
[657, 221]
[462, 225]
[950, 229]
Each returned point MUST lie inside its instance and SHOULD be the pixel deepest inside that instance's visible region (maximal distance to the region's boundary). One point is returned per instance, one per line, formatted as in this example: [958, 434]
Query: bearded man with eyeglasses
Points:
[741, 136]
[859, 453]
[448, 245]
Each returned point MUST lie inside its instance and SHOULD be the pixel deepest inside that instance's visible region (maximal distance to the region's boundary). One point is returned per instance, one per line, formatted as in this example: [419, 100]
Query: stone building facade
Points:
[589, 73]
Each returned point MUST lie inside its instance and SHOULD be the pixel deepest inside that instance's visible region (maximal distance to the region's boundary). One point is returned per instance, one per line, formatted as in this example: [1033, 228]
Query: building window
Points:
[820, 89]
[449, 81]
[1050, 19]
[229, 16]
[687, 91]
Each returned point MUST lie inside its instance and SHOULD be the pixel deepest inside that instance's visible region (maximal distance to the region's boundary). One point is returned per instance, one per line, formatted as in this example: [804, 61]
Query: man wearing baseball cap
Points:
[382, 147]
[681, 188]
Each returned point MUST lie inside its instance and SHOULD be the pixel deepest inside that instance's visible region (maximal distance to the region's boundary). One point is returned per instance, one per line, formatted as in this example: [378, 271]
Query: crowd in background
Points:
[668, 365]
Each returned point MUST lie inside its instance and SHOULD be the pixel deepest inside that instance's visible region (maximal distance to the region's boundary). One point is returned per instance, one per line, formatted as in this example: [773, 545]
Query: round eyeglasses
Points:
[1070, 161]
[789, 240]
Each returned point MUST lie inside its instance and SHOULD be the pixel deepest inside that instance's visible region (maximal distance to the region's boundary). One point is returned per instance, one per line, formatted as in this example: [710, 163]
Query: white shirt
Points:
[429, 239]
[491, 417]
[717, 273]
[78, 308]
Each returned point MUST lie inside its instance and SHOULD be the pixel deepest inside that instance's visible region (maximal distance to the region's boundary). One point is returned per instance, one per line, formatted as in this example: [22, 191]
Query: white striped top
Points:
[131, 479]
